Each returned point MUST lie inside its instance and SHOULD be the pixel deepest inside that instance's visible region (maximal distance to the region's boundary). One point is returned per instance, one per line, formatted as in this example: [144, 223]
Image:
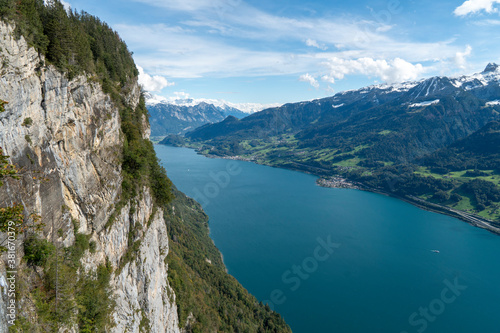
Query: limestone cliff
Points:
[66, 136]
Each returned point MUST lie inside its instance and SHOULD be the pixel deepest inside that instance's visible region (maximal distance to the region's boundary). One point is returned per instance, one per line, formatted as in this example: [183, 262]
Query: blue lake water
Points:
[337, 260]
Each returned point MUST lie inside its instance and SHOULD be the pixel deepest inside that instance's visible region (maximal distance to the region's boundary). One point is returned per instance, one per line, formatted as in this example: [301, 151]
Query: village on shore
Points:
[337, 182]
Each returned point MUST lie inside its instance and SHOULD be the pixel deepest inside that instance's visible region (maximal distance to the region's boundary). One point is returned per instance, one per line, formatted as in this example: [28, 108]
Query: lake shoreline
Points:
[340, 182]
[471, 219]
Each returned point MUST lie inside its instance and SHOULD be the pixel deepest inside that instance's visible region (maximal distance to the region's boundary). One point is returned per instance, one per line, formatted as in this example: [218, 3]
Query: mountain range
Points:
[403, 132]
[434, 112]
[182, 114]
[178, 118]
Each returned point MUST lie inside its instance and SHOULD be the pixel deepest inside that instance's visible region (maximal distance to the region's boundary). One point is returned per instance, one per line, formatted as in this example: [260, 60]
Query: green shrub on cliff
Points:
[139, 158]
[11, 216]
[37, 251]
[2, 105]
[65, 294]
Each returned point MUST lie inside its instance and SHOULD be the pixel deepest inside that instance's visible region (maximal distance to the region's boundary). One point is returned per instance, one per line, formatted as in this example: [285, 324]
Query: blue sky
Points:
[286, 51]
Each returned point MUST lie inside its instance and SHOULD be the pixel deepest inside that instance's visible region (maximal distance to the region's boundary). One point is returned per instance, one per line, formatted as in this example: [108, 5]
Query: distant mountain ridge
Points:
[416, 117]
[185, 115]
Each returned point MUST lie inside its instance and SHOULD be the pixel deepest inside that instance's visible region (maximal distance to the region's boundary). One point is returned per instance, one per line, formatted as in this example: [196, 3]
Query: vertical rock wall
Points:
[66, 136]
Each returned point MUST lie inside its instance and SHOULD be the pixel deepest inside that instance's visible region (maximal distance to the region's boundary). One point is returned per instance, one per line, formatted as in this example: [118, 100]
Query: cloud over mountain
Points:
[152, 83]
[396, 70]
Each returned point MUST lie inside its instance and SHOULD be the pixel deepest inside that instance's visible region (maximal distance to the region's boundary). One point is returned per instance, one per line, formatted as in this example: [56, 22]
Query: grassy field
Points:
[460, 175]
[348, 163]
[466, 204]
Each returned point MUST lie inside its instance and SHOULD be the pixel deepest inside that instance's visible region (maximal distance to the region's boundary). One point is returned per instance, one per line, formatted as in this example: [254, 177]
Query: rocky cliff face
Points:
[66, 136]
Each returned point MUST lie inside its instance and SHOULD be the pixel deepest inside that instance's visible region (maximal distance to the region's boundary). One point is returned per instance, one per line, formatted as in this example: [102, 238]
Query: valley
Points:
[445, 152]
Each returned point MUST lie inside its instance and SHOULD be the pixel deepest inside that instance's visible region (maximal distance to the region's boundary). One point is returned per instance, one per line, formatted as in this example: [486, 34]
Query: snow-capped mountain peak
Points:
[181, 113]
[490, 74]
[184, 100]
[425, 87]
[491, 67]
[154, 99]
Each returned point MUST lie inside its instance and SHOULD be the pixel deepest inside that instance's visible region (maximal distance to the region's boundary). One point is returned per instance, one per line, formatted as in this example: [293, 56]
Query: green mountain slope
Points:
[400, 139]
[382, 126]
[480, 151]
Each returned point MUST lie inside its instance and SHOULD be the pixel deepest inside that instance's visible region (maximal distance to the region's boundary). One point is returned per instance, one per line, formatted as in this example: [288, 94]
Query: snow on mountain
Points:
[183, 111]
[426, 87]
[423, 104]
[490, 74]
[397, 87]
[183, 99]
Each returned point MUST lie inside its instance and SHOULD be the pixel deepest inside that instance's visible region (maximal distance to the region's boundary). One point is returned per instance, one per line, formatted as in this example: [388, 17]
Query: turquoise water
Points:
[337, 260]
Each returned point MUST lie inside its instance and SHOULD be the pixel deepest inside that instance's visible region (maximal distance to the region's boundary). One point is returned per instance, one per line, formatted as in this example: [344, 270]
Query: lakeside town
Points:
[337, 182]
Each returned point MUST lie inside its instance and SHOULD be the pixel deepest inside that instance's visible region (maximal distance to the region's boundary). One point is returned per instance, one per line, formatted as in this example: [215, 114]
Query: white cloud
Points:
[203, 45]
[328, 79]
[486, 23]
[309, 79]
[176, 52]
[313, 43]
[65, 4]
[239, 19]
[460, 59]
[474, 6]
[397, 70]
[384, 28]
[180, 95]
[152, 83]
